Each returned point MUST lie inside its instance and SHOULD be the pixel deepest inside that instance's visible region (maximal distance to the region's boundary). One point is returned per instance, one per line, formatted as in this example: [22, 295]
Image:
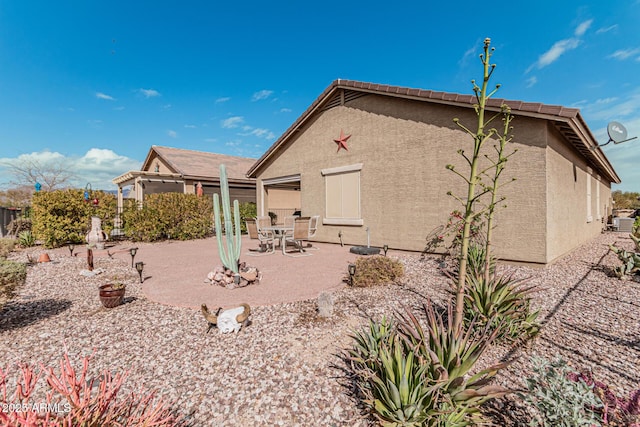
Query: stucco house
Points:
[176, 170]
[369, 156]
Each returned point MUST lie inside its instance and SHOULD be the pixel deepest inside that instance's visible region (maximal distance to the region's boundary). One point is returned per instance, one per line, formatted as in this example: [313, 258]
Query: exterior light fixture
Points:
[87, 192]
[139, 268]
[71, 248]
[352, 272]
[132, 252]
[385, 248]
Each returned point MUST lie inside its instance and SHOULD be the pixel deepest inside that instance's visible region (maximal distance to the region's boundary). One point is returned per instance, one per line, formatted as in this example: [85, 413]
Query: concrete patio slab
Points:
[175, 271]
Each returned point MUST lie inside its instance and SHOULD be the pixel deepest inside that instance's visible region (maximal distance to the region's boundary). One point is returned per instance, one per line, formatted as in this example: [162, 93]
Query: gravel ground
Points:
[283, 369]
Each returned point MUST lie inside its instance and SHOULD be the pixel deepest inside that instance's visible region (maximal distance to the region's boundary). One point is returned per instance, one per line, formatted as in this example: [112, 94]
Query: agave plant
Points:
[476, 260]
[450, 356]
[366, 348]
[394, 384]
[402, 393]
[630, 262]
[501, 304]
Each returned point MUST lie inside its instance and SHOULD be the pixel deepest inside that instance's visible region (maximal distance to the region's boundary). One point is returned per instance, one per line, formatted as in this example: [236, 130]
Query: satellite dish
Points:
[617, 132]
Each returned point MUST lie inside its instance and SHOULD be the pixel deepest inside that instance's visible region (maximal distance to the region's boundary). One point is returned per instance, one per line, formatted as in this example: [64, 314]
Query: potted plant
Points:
[112, 294]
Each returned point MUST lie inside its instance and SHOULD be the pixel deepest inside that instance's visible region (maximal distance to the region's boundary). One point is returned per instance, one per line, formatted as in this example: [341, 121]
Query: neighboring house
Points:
[174, 170]
[372, 157]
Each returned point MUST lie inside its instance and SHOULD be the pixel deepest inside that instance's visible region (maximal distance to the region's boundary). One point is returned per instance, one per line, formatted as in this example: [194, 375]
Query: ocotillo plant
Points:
[230, 250]
[475, 187]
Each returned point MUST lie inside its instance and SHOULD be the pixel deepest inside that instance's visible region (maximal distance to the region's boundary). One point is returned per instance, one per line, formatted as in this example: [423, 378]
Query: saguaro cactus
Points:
[230, 249]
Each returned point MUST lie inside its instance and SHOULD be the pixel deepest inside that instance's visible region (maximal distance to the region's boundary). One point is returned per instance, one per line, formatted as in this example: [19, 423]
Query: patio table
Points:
[279, 232]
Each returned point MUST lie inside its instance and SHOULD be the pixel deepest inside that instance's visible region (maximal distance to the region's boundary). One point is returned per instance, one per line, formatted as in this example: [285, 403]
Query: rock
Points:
[250, 275]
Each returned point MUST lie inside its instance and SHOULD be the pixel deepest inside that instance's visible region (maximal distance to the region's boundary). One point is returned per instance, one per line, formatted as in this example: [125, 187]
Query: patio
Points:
[175, 271]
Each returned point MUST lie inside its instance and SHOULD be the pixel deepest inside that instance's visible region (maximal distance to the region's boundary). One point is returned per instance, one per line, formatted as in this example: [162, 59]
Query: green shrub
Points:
[559, 401]
[169, 215]
[6, 247]
[503, 304]
[410, 375]
[377, 270]
[26, 239]
[12, 275]
[62, 216]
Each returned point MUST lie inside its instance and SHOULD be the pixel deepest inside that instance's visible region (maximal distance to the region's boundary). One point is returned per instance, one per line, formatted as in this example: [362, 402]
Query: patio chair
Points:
[299, 237]
[288, 223]
[266, 239]
[313, 228]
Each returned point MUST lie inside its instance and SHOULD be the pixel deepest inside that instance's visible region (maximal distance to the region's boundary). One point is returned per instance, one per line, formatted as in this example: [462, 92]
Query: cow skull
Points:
[230, 320]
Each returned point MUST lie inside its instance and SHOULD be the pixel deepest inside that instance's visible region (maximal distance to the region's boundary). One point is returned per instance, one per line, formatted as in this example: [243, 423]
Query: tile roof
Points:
[570, 122]
[193, 163]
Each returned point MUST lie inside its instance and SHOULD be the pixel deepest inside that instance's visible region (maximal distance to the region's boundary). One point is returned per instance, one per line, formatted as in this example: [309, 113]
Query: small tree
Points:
[51, 174]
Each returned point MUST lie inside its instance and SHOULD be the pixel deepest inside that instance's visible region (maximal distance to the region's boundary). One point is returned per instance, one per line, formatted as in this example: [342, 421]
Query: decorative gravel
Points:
[283, 369]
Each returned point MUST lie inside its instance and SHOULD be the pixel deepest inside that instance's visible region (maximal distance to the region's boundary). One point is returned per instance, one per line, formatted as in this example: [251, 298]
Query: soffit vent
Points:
[343, 95]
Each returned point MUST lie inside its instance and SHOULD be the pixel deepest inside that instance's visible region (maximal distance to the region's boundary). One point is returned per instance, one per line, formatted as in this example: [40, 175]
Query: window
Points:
[342, 203]
[598, 211]
[589, 209]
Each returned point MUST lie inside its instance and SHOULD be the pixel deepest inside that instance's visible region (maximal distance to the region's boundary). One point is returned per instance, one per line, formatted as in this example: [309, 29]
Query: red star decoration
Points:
[342, 141]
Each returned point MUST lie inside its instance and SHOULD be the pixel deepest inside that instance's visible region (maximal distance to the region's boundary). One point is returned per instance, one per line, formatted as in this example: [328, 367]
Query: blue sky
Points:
[97, 83]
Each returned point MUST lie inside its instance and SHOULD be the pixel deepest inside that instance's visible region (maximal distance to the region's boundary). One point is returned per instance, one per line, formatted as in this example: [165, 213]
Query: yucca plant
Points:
[503, 305]
[450, 357]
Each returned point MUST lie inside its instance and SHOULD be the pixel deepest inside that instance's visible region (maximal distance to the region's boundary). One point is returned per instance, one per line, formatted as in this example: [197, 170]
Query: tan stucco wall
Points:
[404, 147]
[567, 175]
[162, 166]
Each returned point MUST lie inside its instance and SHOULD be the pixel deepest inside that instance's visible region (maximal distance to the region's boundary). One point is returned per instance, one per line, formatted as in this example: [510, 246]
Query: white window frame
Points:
[589, 205]
[338, 171]
[598, 211]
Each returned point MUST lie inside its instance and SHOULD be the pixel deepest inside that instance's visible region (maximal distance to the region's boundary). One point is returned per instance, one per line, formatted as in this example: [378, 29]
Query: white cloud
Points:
[285, 110]
[118, 108]
[562, 46]
[172, 133]
[531, 81]
[97, 166]
[623, 54]
[101, 95]
[582, 28]
[628, 107]
[257, 132]
[606, 100]
[166, 107]
[232, 122]
[558, 49]
[190, 126]
[149, 93]
[223, 99]
[263, 94]
[607, 29]
[95, 123]
[210, 140]
[263, 133]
